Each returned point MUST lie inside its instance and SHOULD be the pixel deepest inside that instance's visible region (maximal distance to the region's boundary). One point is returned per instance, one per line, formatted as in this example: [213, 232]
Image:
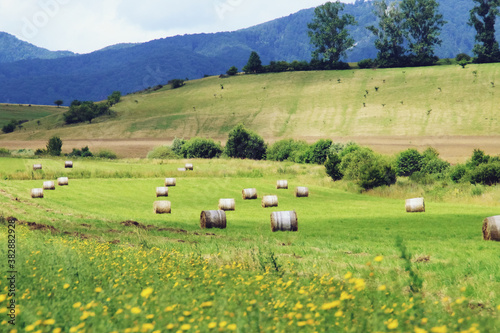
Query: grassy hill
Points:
[19, 112]
[426, 101]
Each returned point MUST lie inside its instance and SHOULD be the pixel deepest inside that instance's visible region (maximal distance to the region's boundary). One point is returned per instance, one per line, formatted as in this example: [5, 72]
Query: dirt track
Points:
[452, 148]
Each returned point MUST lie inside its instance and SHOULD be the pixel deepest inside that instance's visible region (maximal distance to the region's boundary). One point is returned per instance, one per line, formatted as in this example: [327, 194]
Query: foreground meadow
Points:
[95, 258]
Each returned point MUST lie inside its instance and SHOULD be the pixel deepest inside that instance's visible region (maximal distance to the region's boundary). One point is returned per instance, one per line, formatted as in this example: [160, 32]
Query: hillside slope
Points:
[12, 49]
[427, 101]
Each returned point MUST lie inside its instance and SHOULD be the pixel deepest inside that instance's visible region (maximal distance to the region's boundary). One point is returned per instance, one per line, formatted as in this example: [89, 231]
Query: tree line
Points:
[406, 34]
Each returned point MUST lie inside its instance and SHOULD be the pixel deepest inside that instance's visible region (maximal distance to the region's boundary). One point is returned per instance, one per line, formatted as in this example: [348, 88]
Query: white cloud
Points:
[86, 25]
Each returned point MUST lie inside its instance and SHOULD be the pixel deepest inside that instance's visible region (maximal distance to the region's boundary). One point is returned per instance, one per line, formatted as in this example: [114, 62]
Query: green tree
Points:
[114, 98]
[254, 64]
[54, 146]
[389, 34]
[10, 127]
[332, 166]
[482, 18]
[58, 102]
[242, 143]
[328, 32]
[408, 162]
[422, 26]
[232, 71]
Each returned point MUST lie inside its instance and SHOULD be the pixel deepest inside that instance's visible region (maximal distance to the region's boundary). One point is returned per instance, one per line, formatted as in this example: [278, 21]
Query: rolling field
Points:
[10, 112]
[83, 268]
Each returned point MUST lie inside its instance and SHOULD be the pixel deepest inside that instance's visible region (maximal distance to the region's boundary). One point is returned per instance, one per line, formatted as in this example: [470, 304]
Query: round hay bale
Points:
[37, 192]
[62, 181]
[188, 166]
[162, 192]
[213, 219]
[169, 181]
[226, 204]
[49, 185]
[270, 201]
[37, 167]
[282, 184]
[491, 228]
[415, 205]
[249, 193]
[301, 192]
[68, 164]
[284, 221]
[181, 169]
[162, 207]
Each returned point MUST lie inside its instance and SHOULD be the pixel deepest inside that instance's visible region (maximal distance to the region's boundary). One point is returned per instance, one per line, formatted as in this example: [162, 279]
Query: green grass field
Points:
[10, 112]
[426, 101]
[342, 271]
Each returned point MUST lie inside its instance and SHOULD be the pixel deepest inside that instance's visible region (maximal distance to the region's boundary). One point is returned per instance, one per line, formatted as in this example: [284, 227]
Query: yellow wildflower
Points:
[339, 313]
[57, 330]
[98, 289]
[146, 292]
[420, 330]
[77, 305]
[185, 327]
[393, 324]
[3, 297]
[66, 286]
[378, 258]
[170, 326]
[382, 287]
[439, 329]
[49, 322]
[135, 310]
[147, 326]
[231, 327]
[206, 304]
[212, 325]
[328, 306]
[29, 328]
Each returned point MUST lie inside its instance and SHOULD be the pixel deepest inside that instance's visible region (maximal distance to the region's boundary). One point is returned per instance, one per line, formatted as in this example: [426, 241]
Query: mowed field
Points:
[390, 109]
[99, 260]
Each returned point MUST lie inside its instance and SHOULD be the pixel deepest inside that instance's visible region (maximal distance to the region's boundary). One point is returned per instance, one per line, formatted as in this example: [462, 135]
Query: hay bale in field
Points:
[68, 164]
[37, 192]
[301, 192]
[227, 204]
[491, 228]
[415, 205]
[284, 221]
[62, 181]
[181, 169]
[249, 193]
[37, 167]
[162, 192]
[49, 185]
[169, 181]
[213, 219]
[188, 166]
[162, 207]
[270, 201]
[282, 184]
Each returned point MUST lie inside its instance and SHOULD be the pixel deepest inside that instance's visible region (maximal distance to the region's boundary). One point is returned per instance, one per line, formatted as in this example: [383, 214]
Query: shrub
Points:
[366, 63]
[408, 162]
[486, 174]
[458, 173]
[462, 56]
[4, 152]
[176, 83]
[10, 127]
[318, 152]
[84, 152]
[54, 146]
[478, 157]
[285, 150]
[40, 152]
[163, 153]
[332, 166]
[108, 154]
[245, 144]
[177, 146]
[366, 169]
[201, 148]
[435, 166]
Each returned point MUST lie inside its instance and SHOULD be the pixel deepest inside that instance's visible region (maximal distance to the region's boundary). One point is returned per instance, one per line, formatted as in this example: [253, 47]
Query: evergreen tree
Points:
[482, 18]
[328, 32]
[254, 65]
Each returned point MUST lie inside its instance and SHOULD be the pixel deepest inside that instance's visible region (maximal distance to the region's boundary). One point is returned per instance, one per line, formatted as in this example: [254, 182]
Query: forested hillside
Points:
[135, 67]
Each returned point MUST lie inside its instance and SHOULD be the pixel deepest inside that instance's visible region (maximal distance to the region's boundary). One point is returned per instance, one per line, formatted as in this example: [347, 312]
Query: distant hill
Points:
[130, 68]
[13, 49]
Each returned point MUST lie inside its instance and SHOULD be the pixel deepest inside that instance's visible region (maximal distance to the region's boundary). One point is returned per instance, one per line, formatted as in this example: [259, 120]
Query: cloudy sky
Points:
[86, 25]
